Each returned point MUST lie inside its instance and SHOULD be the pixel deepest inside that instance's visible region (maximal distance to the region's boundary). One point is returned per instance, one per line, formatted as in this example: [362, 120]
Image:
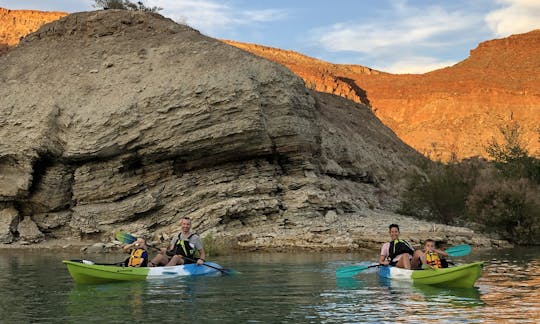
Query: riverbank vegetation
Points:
[500, 195]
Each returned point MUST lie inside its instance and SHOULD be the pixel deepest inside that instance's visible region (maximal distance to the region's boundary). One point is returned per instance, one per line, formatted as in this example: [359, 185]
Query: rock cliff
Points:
[15, 24]
[453, 110]
[126, 120]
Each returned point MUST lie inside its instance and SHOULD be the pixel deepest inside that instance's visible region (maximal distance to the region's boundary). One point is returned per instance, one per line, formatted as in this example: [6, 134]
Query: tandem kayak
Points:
[88, 272]
[461, 276]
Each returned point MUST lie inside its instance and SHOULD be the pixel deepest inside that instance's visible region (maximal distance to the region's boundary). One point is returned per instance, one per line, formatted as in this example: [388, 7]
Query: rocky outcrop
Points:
[8, 222]
[127, 120]
[458, 109]
[15, 24]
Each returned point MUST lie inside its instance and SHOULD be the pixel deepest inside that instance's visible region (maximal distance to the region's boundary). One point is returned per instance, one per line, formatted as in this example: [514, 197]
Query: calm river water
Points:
[35, 287]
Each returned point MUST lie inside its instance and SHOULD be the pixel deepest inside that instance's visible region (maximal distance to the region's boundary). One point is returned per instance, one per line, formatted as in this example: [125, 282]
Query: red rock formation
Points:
[453, 110]
[15, 24]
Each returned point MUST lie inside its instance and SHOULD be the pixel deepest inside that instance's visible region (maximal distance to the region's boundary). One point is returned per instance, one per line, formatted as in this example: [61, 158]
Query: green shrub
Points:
[509, 207]
[511, 157]
[124, 4]
[211, 246]
[440, 194]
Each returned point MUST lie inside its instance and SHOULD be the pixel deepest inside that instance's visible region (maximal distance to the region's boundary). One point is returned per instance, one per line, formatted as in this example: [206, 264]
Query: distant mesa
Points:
[457, 109]
[15, 24]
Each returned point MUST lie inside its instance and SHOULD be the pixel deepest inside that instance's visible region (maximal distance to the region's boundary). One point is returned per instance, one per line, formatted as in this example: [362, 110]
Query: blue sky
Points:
[399, 36]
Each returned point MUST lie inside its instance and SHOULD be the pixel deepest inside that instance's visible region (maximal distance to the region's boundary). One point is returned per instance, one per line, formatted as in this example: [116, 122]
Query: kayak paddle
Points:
[118, 264]
[351, 271]
[128, 239]
[459, 250]
[125, 237]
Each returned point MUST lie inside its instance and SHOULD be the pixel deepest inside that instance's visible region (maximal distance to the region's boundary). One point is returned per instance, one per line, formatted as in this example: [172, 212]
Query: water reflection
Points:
[137, 301]
[349, 283]
[368, 298]
[510, 289]
[468, 297]
[114, 302]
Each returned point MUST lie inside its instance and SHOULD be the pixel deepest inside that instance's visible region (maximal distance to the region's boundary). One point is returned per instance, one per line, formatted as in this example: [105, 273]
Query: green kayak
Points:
[88, 272]
[461, 276]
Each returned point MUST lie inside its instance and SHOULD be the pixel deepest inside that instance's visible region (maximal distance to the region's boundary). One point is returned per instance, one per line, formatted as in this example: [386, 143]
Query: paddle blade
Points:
[347, 272]
[125, 237]
[459, 250]
[230, 272]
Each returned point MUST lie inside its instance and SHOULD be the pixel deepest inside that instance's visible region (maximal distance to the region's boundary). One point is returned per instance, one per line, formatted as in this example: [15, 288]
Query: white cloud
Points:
[411, 27]
[419, 64]
[264, 15]
[517, 16]
[404, 41]
[211, 17]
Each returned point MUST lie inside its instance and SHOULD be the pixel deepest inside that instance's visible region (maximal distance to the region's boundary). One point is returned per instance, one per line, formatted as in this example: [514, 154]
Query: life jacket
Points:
[398, 247]
[433, 260]
[138, 258]
[185, 248]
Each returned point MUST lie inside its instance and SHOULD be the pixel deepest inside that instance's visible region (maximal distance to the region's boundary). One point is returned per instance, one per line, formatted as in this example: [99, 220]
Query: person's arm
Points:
[385, 249]
[169, 252]
[202, 257]
[197, 241]
[441, 253]
[128, 247]
[423, 259]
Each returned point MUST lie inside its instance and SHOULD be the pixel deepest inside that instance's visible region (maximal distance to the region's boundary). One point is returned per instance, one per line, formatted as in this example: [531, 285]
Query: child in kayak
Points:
[429, 257]
[138, 254]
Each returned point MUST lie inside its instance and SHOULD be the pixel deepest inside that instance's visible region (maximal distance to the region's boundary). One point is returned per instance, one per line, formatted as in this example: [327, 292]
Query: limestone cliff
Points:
[126, 120]
[453, 110]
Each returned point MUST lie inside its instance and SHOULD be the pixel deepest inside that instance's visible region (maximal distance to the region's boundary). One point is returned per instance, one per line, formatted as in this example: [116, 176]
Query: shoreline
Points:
[356, 232]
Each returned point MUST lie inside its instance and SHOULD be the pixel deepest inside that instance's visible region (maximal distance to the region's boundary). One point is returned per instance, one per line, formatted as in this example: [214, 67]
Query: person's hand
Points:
[162, 250]
[200, 261]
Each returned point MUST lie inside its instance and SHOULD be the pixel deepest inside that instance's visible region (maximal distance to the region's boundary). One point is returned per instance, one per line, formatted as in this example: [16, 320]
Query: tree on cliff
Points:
[124, 4]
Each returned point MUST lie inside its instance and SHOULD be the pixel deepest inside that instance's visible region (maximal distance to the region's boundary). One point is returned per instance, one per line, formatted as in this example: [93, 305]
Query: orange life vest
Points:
[137, 258]
[433, 260]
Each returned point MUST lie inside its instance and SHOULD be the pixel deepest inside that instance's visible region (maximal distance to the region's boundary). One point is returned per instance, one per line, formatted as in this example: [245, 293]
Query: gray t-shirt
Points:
[194, 240]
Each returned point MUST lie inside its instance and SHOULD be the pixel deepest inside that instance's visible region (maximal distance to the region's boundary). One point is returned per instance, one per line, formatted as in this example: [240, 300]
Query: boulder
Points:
[28, 231]
[8, 224]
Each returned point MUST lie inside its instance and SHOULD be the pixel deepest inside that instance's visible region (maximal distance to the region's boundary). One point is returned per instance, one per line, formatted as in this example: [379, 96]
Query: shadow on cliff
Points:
[361, 93]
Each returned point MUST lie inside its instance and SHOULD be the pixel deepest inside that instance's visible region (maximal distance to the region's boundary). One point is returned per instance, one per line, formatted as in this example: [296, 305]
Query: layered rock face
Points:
[453, 110]
[15, 24]
[126, 120]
